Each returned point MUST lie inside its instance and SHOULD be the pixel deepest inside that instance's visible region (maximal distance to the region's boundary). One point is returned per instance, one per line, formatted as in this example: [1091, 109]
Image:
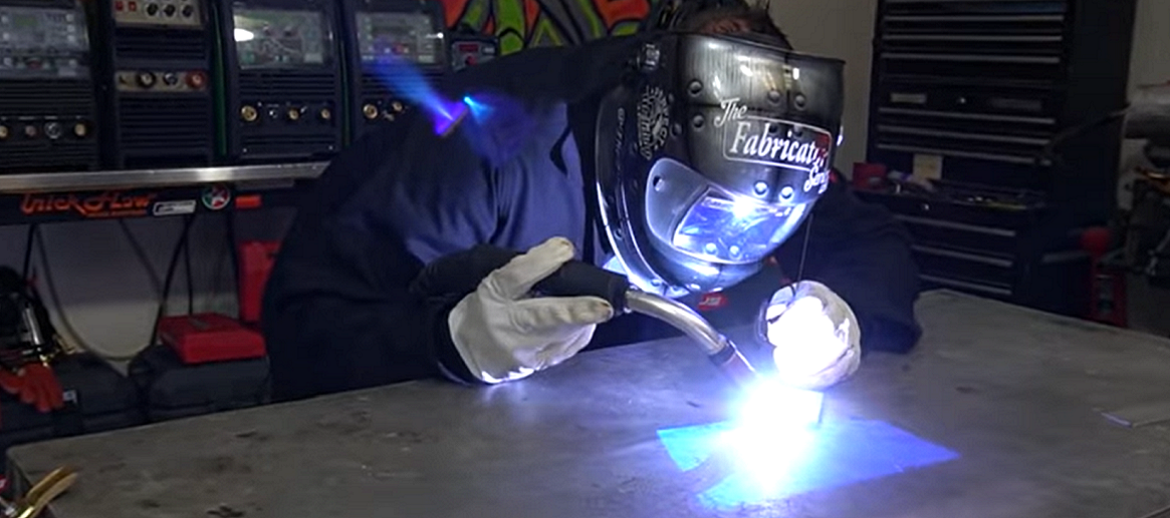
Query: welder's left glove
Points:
[815, 335]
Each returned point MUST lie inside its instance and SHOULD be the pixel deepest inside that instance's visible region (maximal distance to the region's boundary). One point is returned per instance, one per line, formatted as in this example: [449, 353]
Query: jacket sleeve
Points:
[337, 313]
[860, 252]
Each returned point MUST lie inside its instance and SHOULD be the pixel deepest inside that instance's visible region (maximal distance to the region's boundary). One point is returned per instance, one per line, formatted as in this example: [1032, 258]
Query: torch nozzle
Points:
[720, 350]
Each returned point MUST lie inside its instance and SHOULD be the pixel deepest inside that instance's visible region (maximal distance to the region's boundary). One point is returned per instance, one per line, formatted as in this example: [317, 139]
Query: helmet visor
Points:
[722, 229]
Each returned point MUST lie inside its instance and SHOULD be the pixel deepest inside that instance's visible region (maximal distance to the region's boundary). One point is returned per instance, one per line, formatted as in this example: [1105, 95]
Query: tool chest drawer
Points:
[972, 267]
[1003, 252]
[966, 227]
[963, 237]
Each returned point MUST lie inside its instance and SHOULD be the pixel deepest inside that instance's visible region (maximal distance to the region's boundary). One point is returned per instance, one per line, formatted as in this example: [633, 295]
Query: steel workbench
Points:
[1000, 413]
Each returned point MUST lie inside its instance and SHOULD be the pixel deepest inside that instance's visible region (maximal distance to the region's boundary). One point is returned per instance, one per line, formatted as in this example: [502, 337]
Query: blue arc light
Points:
[797, 461]
[402, 78]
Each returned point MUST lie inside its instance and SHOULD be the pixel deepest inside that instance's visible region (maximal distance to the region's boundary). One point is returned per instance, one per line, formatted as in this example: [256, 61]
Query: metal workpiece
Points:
[997, 414]
[150, 178]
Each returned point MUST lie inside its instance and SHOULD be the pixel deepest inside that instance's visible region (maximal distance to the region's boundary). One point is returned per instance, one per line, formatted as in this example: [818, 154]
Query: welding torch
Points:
[462, 271]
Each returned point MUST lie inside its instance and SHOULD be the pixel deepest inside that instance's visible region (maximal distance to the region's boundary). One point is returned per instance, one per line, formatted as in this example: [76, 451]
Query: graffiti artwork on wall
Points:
[534, 23]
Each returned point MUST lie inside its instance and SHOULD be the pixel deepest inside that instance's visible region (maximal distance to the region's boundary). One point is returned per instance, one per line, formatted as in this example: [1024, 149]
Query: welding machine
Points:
[282, 85]
[157, 102]
[47, 102]
[389, 44]
[469, 49]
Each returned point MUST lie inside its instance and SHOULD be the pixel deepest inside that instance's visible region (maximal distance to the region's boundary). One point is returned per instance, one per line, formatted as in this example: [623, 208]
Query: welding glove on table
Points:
[503, 333]
[815, 336]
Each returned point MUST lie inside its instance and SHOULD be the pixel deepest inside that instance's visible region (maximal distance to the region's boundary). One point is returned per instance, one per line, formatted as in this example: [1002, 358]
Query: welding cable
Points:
[804, 248]
[190, 276]
[143, 257]
[1049, 156]
[170, 277]
[233, 248]
[28, 251]
[55, 298]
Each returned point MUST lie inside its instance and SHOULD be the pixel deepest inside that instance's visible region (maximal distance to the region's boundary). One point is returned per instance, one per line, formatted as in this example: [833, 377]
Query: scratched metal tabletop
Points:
[1000, 413]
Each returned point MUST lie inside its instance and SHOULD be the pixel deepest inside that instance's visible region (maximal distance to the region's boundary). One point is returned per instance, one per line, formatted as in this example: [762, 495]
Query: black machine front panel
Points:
[47, 103]
[284, 97]
[155, 77]
[391, 44]
[471, 49]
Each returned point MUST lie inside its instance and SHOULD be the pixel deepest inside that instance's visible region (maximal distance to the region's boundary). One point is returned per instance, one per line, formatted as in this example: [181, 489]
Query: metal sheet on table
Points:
[1013, 395]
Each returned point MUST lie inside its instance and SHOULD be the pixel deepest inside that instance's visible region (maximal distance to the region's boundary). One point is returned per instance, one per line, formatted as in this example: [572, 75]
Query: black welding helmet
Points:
[710, 154]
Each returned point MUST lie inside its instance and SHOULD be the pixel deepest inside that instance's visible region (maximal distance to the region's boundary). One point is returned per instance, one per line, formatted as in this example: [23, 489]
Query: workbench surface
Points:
[999, 413]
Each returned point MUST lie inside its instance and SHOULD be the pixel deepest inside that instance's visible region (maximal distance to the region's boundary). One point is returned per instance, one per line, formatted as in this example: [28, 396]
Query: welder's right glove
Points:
[502, 333]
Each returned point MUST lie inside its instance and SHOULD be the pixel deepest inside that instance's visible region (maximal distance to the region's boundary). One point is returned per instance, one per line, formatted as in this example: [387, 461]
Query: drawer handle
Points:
[960, 154]
[991, 261]
[968, 116]
[956, 226]
[1003, 292]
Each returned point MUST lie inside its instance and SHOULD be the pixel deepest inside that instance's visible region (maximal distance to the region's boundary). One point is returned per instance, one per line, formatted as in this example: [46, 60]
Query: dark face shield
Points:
[711, 156]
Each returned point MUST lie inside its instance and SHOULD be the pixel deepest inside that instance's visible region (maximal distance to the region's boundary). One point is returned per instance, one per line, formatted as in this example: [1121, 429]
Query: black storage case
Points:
[283, 103]
[48, 108]
[154, 78]
[171, 389]
[97, 399]
[373, 99]
[992, 87]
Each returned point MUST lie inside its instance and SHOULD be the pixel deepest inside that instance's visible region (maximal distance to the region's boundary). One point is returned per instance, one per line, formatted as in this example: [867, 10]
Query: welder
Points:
[581, 153]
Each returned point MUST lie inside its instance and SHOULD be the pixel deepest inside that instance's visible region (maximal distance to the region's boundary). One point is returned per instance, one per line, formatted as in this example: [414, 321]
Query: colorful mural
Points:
[532, 23]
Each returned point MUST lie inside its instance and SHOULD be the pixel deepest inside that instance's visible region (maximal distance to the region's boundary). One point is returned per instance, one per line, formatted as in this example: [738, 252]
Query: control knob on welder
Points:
[3, 132]
[249, 113]
[397, 107]
[370, 111]
[151, 9]
[30, 131]
[326, 114]
[146, 79]
[196, 80]
[80, 130]
[294, 113]
[169, 10]
[171, 78]
[53, 130]
[188, 11]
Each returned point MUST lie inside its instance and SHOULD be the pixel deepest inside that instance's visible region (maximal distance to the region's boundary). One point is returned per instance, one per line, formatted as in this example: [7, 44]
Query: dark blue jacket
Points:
[337, 311]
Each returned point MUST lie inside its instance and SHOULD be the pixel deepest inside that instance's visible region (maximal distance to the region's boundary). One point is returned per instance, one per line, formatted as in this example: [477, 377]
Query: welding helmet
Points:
[710, 154]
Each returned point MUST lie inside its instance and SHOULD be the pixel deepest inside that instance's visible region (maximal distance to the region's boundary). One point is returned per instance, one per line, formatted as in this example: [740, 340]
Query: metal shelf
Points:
[156, 178]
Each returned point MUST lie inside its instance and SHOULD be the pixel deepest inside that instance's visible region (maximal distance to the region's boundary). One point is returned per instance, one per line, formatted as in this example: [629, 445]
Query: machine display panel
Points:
[409, 36]
[38, 42]
[271, 38]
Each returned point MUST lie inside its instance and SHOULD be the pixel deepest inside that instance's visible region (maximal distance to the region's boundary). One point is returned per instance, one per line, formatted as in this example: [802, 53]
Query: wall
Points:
[1150, 64]
[841, 29]
[524, 23]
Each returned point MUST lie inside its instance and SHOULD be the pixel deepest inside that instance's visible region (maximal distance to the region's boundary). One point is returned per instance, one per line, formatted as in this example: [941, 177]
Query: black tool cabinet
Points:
[1004, 104]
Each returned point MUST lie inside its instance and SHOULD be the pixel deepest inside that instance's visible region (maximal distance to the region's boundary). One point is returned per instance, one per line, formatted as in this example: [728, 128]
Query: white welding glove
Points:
[505, 334]
[815, 335]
